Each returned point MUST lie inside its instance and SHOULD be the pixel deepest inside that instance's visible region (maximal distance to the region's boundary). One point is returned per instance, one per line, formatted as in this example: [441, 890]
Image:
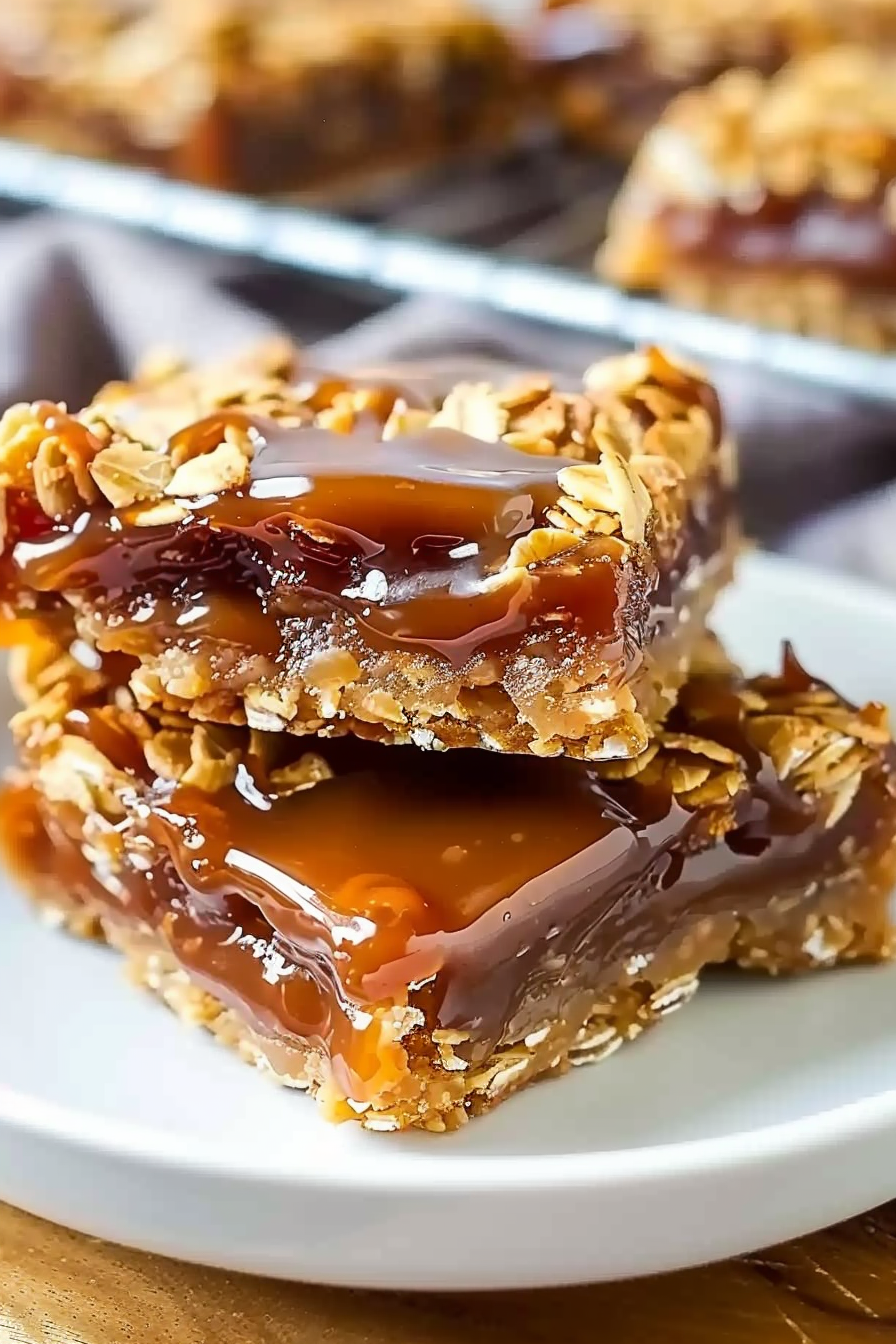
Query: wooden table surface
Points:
[56, 1287]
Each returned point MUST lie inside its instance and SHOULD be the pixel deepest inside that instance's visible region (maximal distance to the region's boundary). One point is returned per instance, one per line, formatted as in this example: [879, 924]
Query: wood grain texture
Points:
[838, 1287]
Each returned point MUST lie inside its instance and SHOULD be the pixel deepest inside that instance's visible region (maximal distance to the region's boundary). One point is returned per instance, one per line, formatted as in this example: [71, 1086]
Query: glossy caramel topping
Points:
[850, 238]
[468, 887]
[67, 427]
[439, 880]
[399, 849]
[403, 538]
[406, 865]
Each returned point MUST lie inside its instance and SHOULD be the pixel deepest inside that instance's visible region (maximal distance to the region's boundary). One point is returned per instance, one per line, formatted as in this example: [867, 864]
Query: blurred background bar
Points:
[475, 150]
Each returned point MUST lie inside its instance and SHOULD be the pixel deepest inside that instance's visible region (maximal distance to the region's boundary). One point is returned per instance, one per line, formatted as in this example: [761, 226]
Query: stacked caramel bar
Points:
[383, 733]
[772, 199]
[257, 95]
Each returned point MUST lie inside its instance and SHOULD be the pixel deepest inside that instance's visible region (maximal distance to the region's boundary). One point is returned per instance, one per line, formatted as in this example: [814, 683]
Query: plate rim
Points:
[432, 1174]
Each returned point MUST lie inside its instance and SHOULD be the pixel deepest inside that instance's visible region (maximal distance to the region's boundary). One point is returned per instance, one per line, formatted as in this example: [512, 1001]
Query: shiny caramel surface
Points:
[402, 539]
[849, 238]
[399, 851]
[409, 865]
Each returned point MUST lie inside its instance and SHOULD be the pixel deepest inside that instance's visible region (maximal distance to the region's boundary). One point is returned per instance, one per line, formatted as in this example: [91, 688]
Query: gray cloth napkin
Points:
[81, 303]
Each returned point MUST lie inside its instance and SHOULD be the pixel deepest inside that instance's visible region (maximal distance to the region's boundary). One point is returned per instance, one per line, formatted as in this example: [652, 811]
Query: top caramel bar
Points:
[519, 568]
[772, 199]
[256, 95]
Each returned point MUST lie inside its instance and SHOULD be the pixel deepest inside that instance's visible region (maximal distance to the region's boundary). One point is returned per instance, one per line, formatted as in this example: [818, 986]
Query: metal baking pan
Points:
[515, 234]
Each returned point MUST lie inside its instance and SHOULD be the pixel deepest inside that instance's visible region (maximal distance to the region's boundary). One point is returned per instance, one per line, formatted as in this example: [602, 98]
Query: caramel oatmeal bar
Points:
[609, 67]
[772, 200]
[517, 568]
[411, 937]
[256, 95]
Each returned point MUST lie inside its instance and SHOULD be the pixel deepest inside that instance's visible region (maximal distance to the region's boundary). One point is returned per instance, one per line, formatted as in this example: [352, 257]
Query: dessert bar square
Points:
[257, 95]
[771, 200]
[519, 568]
[411, 936]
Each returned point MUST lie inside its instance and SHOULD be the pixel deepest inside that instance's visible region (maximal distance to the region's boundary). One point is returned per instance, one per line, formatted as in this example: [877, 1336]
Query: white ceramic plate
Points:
[762, 1111]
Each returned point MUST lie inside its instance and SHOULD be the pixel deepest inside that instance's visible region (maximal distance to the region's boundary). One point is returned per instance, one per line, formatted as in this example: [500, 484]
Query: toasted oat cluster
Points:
[772, 199]
[275, 546]
[613, 65]
[257, 95]
[180, 843]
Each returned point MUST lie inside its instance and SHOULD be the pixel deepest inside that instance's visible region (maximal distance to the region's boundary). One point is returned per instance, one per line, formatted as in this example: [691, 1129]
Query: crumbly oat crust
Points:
[440, 1095]
[809, 302]
[817, 742]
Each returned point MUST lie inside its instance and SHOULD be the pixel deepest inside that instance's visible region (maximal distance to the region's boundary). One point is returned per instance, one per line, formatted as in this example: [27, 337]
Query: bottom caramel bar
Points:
[414, 936]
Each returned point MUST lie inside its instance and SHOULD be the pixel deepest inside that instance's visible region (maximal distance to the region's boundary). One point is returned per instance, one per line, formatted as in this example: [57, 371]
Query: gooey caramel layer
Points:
[851, 240]
[481, 892]
[401, 539]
